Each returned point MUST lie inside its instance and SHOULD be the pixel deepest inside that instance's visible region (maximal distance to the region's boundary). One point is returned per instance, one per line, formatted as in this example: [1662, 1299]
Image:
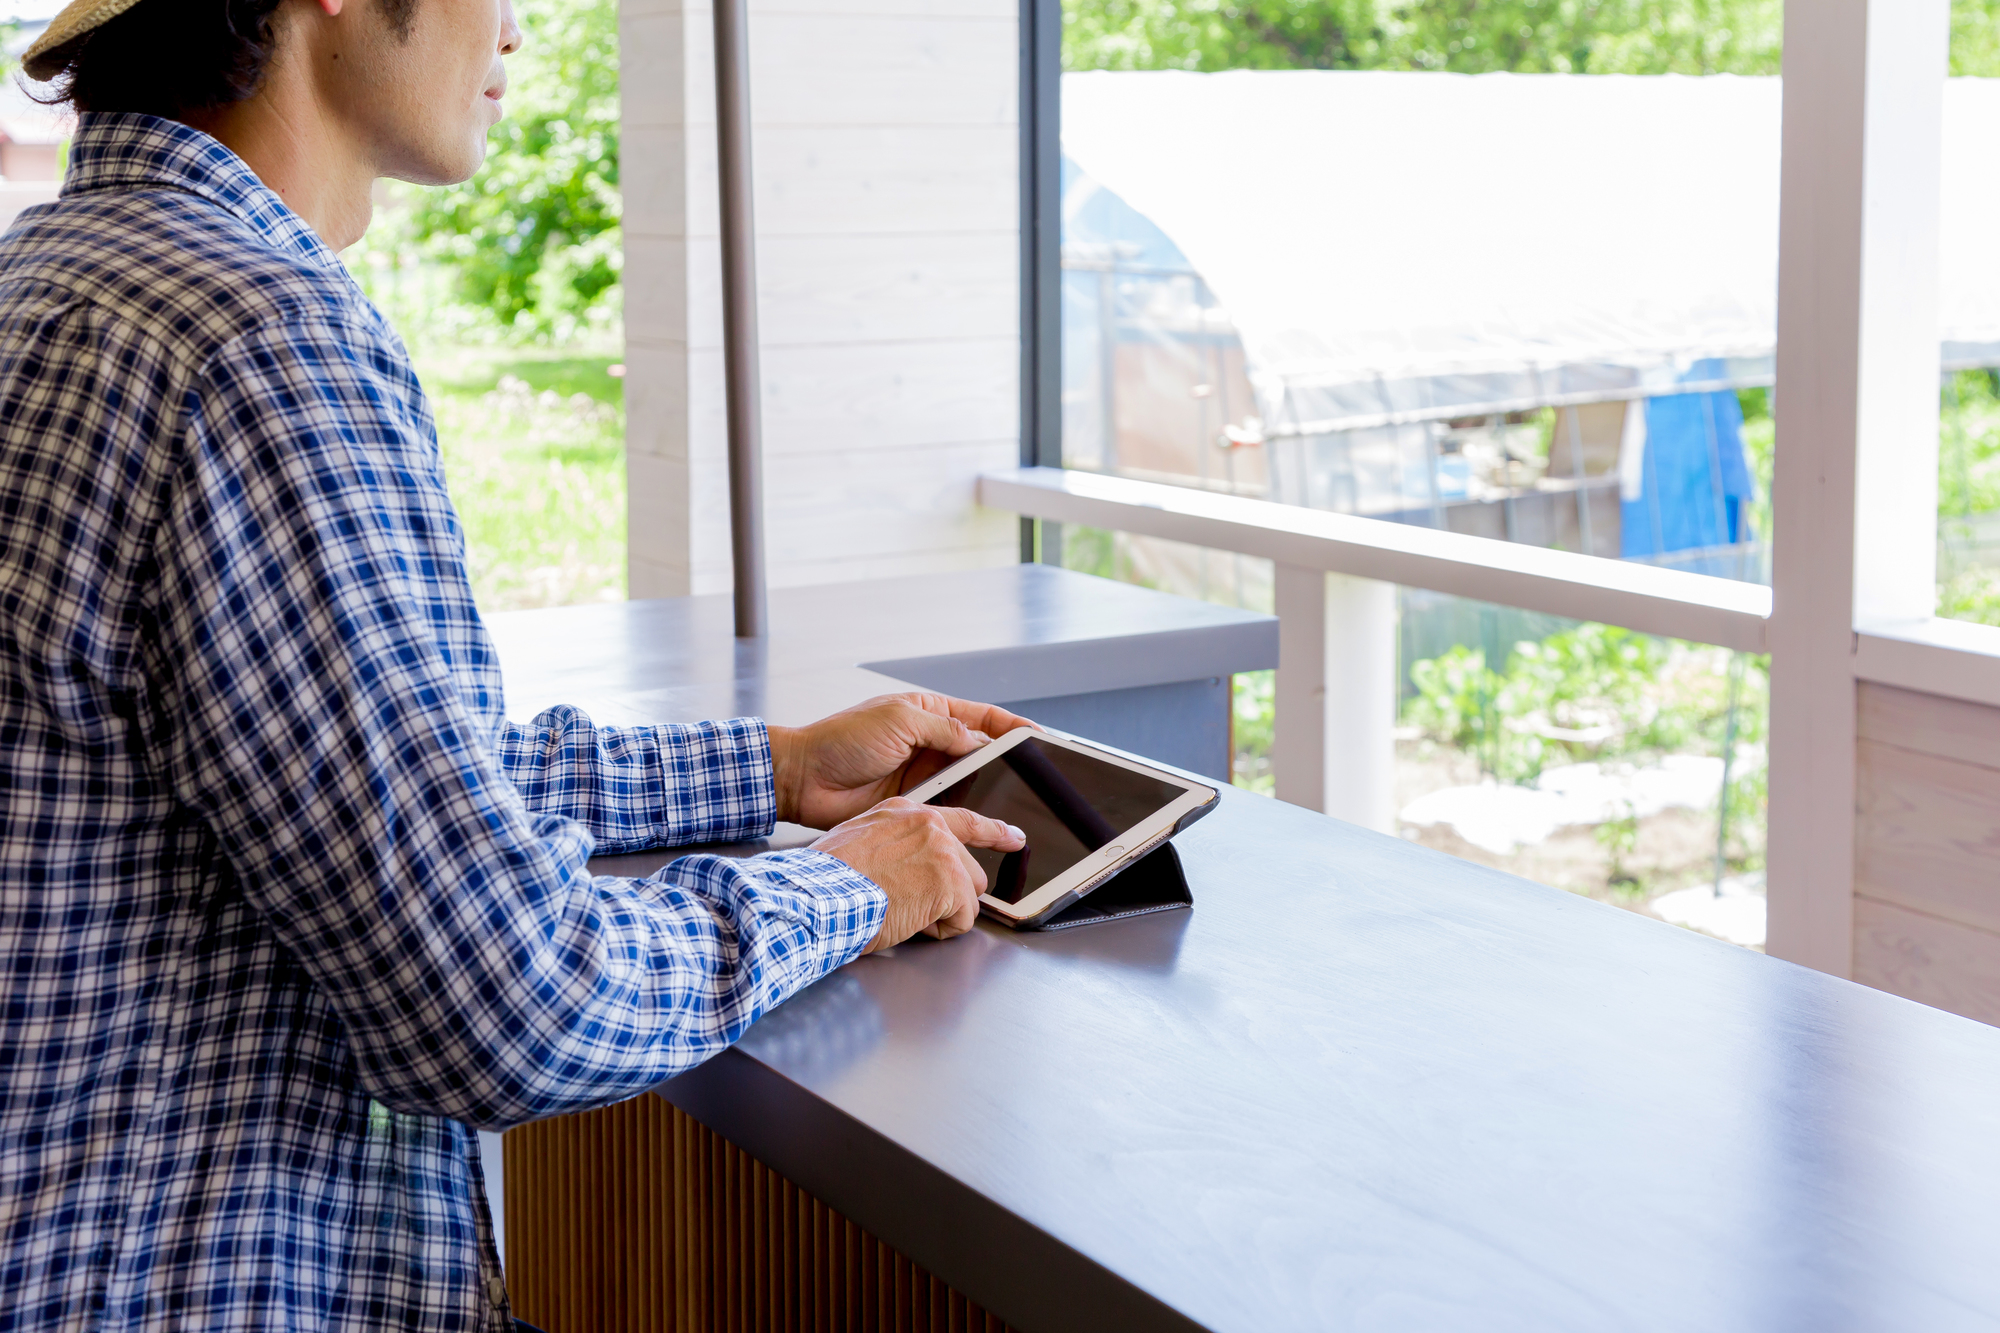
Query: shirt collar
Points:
[116, 152]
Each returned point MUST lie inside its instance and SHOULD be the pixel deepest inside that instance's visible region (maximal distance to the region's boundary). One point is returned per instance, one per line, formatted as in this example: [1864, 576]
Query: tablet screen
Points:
[1068, 804]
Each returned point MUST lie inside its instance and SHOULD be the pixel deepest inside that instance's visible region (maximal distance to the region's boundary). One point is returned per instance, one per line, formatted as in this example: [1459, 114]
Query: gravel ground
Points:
[1676, 848]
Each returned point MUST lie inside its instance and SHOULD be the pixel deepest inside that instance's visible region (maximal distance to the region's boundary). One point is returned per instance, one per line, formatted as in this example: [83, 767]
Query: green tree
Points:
[536, 232]
[1975, 37]
[1464, 36]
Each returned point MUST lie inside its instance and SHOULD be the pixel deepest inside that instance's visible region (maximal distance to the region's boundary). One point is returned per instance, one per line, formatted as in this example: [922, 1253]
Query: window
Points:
[1968, 510]
[1306, 261]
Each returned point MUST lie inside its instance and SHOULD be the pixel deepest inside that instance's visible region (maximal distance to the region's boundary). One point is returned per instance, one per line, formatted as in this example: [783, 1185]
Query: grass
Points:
[534, 454]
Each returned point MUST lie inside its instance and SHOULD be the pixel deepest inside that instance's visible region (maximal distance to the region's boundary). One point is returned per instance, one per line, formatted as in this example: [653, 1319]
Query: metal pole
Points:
[1728, 762]
[739, 317]
[1576, 471]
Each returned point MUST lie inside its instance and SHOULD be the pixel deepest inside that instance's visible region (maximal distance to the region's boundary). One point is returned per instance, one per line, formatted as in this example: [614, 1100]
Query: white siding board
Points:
[926, 9]
[859, 69]
[887, 258]
[1930, 724]
[1941, 963]
[828, 289]
[652, 85]
[656, 395]
[876, 396]
[656, 289]
[653, 166]
[885, 179]
[911, 500]
[1928, 834]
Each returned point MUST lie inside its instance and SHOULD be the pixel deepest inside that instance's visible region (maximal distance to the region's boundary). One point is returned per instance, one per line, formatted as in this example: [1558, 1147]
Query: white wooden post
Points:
[1334, 747]
[1857, 387]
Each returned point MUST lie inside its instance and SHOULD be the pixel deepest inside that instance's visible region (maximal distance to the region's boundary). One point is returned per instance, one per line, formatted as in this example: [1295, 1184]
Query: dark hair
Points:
[170, 57]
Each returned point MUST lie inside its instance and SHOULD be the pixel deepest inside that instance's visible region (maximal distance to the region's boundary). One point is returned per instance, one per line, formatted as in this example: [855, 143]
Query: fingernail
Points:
[1017, 833]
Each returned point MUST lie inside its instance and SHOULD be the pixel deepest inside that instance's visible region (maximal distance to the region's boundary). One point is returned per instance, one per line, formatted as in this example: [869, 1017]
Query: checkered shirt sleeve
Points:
[640, 787]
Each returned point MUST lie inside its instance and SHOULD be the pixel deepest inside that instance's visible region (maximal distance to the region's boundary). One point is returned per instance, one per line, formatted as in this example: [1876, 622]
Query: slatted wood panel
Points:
[637, 1219]
[1927, 850]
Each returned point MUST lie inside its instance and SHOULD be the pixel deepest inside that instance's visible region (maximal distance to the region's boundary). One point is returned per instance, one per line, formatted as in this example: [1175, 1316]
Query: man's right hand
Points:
[917, 854]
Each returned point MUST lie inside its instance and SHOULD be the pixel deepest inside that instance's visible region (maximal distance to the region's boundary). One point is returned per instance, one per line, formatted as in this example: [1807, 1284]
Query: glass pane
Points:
[1302, 263]
[1968, 527]
[1585, 757]
[1616, 765]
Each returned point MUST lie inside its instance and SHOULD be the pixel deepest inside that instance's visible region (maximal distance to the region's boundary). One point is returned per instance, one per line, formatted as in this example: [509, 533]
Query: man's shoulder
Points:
[177, 268]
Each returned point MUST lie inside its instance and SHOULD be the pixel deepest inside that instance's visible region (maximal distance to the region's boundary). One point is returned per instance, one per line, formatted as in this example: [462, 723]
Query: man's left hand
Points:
[833, 770]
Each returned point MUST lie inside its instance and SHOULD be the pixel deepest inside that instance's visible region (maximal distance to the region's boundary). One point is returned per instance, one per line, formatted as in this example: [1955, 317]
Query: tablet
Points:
[1088, 813]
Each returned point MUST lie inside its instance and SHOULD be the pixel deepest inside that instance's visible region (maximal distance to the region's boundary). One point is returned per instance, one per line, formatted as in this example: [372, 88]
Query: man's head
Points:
[412, 85]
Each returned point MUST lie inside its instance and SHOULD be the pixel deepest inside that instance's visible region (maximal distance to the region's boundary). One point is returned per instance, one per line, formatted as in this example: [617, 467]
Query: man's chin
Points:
[444, 169]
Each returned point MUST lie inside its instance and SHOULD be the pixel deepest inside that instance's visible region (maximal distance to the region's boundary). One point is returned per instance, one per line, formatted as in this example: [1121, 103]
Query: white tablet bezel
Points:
[1105, 861]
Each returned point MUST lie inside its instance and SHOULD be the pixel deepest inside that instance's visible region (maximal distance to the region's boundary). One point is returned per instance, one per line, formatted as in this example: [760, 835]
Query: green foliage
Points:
[534, 457]
[1620, 838]
[1591, 693]
[1580, 691]
[1970, 594]
[1760, 439]
[1975, 37]
[534, 237]
[1465, 36]
[1749, 796]
[1254, 707]
[1089, 551]
[1969, 444]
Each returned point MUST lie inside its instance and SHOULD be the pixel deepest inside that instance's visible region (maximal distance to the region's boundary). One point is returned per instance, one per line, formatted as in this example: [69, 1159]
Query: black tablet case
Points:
[1153, 883]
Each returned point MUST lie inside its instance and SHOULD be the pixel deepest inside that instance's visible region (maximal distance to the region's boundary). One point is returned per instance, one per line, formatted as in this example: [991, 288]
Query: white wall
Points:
[886, 187]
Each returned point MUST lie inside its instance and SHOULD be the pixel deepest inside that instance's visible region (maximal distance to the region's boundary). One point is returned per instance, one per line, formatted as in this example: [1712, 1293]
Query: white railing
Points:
[1333, 749]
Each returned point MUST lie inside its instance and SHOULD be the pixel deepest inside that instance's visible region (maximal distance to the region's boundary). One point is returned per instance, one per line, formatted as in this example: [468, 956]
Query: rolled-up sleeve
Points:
[434, 891]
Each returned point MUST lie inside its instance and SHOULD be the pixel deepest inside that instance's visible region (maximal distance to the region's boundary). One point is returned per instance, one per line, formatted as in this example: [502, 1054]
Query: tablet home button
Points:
[1114, 851]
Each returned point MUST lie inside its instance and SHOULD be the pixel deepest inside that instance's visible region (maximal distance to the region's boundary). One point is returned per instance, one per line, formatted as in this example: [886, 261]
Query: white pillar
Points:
[1334, 745]
[1856, 398]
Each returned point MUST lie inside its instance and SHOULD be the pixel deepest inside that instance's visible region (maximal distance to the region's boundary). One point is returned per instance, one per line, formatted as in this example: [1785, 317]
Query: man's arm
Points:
[307, 715]
[664, 786]
[641, 787]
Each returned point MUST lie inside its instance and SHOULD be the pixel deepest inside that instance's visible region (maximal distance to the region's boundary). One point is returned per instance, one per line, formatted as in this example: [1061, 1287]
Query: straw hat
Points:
[77, 18]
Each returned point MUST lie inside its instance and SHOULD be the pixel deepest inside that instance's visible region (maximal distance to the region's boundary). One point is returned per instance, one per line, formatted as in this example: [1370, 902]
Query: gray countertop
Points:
[1015, 632]
[1363, 1085]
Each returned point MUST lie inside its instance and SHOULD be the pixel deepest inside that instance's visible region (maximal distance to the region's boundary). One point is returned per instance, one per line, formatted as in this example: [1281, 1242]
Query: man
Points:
[287, 908]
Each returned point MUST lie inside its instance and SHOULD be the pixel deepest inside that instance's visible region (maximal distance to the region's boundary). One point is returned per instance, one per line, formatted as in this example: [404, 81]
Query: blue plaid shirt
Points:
[286, 904]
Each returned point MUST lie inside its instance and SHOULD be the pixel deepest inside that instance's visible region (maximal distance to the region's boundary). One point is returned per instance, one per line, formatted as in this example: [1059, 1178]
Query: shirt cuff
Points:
[845, 907]
[719, 781]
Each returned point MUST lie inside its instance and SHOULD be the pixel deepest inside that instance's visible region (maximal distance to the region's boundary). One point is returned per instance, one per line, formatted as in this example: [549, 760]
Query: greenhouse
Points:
[1237, 276]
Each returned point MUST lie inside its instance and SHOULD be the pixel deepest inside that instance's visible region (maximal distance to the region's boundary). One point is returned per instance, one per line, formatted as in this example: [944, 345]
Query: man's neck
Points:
[286, 137]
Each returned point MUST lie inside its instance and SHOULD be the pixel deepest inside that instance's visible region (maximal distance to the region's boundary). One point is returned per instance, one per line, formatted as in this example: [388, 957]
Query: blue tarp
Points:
[1696, 485]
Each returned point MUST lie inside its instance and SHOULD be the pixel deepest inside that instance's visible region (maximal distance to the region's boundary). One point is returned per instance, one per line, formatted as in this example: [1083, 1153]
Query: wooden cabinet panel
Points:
[637, 1219]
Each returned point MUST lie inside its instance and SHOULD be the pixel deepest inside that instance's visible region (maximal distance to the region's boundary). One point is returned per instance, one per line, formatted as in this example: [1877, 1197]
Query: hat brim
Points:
[77, 18]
